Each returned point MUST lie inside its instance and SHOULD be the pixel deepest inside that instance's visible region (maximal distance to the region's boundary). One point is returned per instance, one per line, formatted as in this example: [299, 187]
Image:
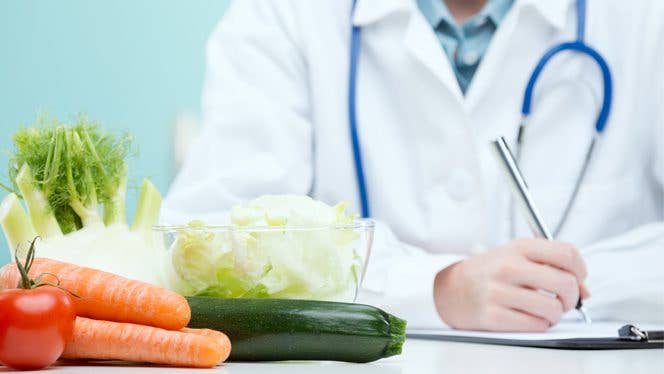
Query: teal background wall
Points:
[133, 65]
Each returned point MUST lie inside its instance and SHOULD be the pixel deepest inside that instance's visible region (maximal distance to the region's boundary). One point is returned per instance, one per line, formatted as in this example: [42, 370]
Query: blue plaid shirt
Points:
[466, 44]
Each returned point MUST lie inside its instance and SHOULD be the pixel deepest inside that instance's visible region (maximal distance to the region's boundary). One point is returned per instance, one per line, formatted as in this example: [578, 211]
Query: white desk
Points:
[424, 357]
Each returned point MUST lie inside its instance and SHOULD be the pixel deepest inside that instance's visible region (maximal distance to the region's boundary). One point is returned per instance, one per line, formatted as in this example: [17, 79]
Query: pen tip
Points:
[584, 315]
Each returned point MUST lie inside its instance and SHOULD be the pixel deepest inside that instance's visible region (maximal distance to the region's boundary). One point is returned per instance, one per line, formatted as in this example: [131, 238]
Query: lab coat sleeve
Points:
[626, 276]
[256, 136]
[399, 278]
[626, 272]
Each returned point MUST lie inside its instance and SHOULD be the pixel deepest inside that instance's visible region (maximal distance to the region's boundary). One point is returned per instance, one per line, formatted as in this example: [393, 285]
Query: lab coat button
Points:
[460, 185]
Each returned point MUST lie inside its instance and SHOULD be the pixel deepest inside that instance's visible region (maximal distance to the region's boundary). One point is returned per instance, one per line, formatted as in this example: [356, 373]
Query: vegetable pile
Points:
[102, 275]
[73, 180]
[281, 246]
[116, 319]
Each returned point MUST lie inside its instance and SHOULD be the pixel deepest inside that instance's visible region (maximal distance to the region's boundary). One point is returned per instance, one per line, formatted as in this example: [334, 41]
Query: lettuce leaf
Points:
[280, 246]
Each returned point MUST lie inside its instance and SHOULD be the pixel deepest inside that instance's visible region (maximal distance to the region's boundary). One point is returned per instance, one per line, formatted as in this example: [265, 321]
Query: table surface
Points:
[423, 357]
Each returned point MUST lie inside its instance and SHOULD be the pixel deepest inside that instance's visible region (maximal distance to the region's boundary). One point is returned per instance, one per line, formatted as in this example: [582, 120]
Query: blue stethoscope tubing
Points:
[579, 45]
[352, 118]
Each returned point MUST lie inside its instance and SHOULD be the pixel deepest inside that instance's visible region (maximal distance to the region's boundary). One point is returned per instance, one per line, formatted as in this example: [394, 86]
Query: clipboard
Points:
[567, 336]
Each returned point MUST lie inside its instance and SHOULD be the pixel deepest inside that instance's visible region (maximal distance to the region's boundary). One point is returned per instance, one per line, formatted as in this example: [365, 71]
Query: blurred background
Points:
[132, 65]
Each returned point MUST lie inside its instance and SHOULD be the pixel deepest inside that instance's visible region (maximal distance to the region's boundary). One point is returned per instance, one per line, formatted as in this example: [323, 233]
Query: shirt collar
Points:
[435, 11]
[369, 11]
[495, 10]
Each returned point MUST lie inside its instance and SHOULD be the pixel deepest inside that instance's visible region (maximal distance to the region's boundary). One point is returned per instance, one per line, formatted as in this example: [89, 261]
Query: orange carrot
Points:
[219, 337]
[105, 340]
[108, 296]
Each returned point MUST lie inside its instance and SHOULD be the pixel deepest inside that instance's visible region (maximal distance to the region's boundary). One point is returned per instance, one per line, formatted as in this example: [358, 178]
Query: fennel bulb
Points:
[73, 180]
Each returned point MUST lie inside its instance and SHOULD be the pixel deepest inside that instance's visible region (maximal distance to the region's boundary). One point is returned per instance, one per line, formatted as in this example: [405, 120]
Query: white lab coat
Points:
[275, 121]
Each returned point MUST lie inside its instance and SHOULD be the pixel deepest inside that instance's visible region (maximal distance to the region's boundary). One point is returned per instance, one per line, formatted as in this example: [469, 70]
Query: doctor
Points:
[392, 104]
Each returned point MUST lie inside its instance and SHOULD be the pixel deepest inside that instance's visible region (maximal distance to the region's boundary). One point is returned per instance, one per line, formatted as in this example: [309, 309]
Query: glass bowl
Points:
[285, 262]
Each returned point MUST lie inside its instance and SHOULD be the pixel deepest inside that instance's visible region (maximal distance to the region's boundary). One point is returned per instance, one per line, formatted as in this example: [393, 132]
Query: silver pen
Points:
[522, 195]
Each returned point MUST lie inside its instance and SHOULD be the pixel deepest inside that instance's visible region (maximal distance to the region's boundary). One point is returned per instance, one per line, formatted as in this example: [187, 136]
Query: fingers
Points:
[530, 301]
[498, 318]
[501, 290]
[561, 255]
[583, 291]
[544, 277]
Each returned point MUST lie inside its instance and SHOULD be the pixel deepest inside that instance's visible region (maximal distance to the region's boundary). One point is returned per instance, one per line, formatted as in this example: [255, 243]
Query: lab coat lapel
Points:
[419, 39]
[492, 60]
[369, 11]
[553, 13]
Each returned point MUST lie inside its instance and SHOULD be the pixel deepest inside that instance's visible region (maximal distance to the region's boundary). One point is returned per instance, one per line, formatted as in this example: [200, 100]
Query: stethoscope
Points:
[578, 45]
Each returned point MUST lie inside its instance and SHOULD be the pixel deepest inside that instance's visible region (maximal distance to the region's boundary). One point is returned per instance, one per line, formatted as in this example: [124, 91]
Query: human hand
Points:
[501, 290]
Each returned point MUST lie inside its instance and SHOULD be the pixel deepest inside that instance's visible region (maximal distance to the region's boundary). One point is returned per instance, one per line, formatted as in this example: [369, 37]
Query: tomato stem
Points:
[25, 282]
[58, 286]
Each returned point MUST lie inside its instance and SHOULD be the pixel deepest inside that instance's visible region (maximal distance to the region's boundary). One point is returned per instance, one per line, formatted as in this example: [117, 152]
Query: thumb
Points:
[583, 291]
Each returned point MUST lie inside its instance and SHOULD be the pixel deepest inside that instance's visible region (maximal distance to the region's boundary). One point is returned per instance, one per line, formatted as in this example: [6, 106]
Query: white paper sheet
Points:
[563, 330]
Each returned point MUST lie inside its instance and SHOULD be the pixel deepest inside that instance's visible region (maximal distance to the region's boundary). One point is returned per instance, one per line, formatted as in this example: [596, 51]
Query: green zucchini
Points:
[278, 329]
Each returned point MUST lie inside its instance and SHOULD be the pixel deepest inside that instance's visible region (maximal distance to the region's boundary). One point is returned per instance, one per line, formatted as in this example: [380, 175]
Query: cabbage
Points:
[313, 257]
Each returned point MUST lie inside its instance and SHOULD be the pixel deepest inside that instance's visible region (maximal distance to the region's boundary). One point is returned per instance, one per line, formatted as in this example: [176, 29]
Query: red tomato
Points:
[35, 326]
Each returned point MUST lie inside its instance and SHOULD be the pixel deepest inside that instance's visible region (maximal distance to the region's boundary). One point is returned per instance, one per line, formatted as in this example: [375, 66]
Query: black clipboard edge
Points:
[587, 344]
